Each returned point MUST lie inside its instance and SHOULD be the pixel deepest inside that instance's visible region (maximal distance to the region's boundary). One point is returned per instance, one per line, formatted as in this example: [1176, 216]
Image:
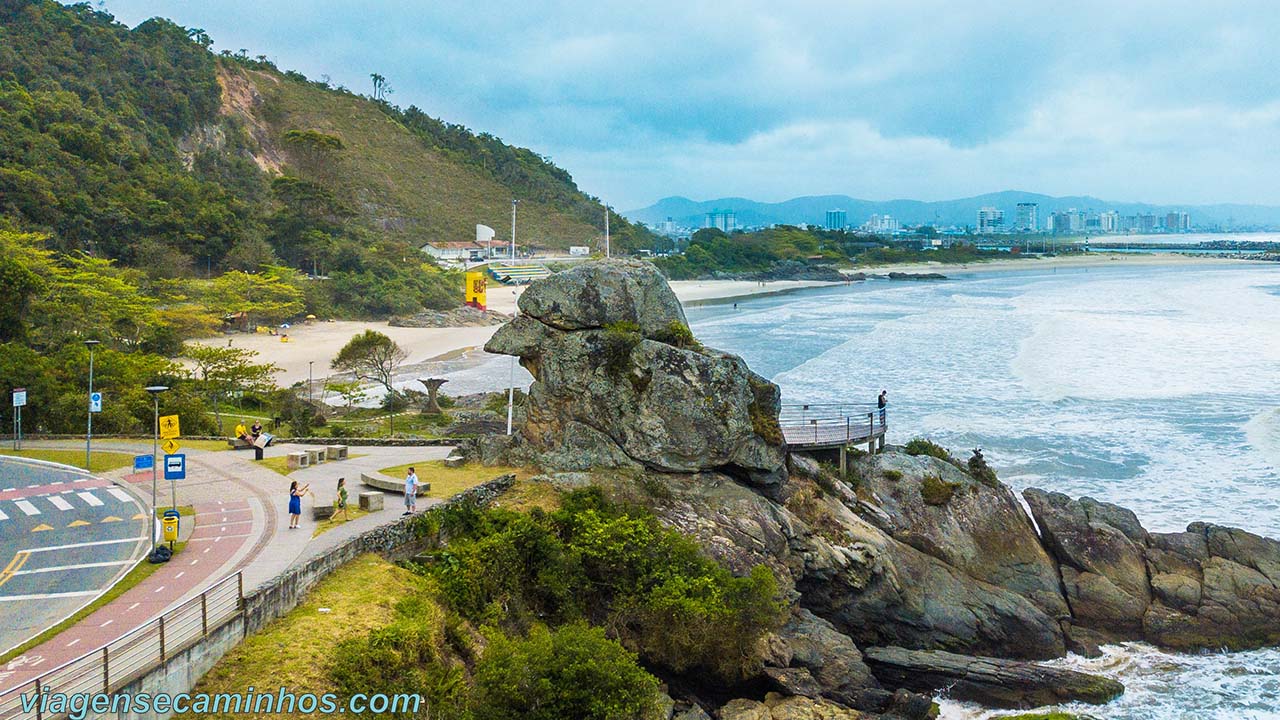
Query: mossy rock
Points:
[936, 491]
[894, 475]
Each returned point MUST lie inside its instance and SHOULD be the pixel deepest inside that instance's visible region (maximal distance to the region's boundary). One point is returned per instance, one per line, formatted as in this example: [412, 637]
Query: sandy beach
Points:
[312, 347]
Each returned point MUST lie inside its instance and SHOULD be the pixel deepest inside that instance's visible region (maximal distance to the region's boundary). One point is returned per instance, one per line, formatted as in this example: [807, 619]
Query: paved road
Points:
[64, 538]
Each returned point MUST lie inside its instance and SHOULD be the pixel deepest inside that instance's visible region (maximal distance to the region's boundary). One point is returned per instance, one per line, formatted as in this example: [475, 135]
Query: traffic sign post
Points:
[95, 402]
[143, 462]
[170, 446]
[175, 469]
[169, 428]
[19, 401]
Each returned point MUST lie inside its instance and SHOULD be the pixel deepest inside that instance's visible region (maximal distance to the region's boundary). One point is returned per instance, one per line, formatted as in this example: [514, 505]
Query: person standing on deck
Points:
[882, 402]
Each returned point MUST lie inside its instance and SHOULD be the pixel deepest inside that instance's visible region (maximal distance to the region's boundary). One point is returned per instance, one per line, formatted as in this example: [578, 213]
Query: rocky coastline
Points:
[912, 575]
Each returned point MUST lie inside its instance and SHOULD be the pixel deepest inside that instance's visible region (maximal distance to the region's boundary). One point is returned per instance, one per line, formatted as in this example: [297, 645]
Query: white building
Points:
[1109, 221]
[990, 220]
[1026, 220]
[453, 252]
[881, 225]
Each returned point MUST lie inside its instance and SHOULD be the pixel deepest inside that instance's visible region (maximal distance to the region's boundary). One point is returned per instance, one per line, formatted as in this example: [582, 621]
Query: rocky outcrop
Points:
[465, 316]
[1208, 587]
[619, 382]
[981, 530]
[990, 681]
[903, 706]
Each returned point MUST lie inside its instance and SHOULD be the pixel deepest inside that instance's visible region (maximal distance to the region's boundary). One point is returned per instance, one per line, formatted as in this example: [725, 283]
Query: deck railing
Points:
[832, 424]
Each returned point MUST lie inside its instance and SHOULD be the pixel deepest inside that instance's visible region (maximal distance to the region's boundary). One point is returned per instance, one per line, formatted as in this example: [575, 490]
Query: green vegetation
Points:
[591, 560]
[100, 461]
[617, 343]
[678, 335]
[922, 446]
[936, 491]
[893, 475]
[140, 572]
[712, 251]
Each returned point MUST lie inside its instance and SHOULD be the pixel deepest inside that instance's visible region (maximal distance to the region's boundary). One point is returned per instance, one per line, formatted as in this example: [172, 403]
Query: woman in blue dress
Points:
[295, 503]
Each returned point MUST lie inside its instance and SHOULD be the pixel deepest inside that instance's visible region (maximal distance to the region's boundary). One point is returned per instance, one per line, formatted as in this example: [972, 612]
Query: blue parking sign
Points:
[143, 462]
[175, 467]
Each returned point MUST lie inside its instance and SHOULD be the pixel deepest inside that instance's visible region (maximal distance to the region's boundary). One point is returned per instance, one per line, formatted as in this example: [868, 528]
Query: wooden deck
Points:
[828, 426]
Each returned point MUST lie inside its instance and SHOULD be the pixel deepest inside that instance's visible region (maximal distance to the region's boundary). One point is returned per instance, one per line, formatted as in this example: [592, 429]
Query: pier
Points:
[833, 426]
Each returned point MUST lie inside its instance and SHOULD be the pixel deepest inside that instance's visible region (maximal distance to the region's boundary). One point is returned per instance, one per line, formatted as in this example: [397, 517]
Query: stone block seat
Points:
[381, 482]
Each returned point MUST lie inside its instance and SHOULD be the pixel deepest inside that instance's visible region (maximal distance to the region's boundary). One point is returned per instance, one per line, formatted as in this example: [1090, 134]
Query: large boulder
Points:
[619, 383]
[990, 681]
[981, 528]
[1210, 587]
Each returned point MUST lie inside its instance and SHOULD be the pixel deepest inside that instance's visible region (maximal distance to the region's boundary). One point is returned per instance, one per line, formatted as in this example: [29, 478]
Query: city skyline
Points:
[1136, 100]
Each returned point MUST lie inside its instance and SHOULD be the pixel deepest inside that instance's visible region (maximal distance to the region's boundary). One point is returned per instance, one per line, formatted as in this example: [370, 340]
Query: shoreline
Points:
[311, 347]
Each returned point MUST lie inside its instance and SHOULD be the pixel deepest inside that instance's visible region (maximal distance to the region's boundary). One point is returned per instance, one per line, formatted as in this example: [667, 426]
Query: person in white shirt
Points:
[410, 492]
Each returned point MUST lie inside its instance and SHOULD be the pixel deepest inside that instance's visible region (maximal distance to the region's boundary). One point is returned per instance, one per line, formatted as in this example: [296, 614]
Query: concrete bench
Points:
[371, 501]
[315, 455]
[322, 510]
[386, 484]
[297, 460]
[455, 459]
[335, 452]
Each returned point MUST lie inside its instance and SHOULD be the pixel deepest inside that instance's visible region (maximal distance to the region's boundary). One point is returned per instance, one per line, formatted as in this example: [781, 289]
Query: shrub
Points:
[618, 341]
[981, 471]
[678, 335]
[571, 672]
[936, 491]
[921, 446]
[650, 585]
[894, 475]
[405, 657]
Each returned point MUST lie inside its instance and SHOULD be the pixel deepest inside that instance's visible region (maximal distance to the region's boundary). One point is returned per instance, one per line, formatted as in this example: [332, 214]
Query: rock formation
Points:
[936, 566]
[618, 381]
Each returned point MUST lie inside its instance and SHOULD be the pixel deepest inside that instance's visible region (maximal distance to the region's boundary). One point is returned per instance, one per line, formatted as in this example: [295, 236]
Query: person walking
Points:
[295, 503]
[410, 492]
[342, 499]
[882, 402]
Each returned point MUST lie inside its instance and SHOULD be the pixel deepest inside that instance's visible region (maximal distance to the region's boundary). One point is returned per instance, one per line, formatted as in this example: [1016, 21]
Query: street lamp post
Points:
[514, 202]
[606, 231]
[155, 391]
[309, 364]
[88, 433]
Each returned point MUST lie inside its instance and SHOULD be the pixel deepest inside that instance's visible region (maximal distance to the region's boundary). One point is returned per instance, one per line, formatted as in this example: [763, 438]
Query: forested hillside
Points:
[149, 186]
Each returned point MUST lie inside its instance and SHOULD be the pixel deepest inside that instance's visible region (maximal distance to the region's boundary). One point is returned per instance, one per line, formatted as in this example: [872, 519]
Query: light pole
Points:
[309, 364]
[511, 386]
[88, 433]
[155, 391]
[514, 202]
[606, 231]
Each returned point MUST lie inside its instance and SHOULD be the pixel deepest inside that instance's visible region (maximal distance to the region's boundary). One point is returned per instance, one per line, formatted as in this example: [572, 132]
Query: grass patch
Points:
[326, 525]
[527, 494]
[140, 572]
[183, 511]
[101, 462]
[278, 464]
[297, 650]
[893, 475]
[446, 481]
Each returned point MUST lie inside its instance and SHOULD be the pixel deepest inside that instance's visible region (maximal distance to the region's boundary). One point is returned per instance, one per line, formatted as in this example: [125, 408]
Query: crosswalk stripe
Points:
[89, 498]
[26, 507]
[119, 494]
[59, 502]
[3, 516]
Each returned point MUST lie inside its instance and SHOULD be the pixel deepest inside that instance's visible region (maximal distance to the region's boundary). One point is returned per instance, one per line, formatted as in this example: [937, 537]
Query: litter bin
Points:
[169, 523]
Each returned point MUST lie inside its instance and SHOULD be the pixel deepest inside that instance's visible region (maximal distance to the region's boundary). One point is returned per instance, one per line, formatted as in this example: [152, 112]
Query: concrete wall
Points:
[282, 593]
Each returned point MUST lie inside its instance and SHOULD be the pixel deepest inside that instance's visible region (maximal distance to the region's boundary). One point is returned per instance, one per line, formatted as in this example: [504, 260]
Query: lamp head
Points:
[157, 389]
[90, 343]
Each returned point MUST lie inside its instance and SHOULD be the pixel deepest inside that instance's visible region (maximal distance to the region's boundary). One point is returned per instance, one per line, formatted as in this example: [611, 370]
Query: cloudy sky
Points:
[1167, 102]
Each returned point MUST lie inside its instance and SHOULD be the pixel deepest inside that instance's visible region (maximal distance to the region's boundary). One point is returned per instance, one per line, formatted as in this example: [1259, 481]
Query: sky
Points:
[1165, 102]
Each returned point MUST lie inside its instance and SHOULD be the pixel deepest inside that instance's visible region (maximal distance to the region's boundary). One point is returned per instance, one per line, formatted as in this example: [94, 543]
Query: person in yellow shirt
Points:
[241, 431]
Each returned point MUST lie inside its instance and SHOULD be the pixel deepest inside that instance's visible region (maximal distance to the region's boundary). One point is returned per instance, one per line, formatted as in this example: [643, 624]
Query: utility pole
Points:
[155, 391]
[309, 364]
[606, 231]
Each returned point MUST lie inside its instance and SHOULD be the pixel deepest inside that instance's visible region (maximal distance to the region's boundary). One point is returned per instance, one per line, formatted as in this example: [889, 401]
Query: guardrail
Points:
[135, 653]
[832, 424]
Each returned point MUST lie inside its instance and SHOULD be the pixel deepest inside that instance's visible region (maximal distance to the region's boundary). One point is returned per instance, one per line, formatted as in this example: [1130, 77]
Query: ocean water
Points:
[1154, 388]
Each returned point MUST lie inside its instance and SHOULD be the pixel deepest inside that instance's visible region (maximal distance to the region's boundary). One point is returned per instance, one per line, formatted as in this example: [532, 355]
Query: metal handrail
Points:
[124, 659]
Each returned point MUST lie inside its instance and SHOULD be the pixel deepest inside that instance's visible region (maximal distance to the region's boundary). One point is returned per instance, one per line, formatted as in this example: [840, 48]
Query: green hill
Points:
[143, 147]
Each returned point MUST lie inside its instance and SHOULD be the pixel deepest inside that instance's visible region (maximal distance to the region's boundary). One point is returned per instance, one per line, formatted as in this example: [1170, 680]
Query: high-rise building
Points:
[990, 220]
[721, 219]
[1109, 221]
[1177, 222]
[837, 220]
[1025, 220]
[668, 227]
[881, 225]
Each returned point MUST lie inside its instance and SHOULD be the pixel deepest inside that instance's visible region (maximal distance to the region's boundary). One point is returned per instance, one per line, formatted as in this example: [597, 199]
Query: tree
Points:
[222, 371]
[371, 356]
[272, 295]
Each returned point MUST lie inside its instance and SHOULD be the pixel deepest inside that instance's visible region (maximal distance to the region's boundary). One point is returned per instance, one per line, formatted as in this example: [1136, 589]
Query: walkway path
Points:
[240, 523]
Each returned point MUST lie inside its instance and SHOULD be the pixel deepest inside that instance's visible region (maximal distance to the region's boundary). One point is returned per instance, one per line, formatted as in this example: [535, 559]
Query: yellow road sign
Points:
[170, 446]
[169, 427]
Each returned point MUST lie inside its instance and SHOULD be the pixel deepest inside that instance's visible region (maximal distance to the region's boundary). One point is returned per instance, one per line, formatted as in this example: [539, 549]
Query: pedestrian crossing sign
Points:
[169, 427]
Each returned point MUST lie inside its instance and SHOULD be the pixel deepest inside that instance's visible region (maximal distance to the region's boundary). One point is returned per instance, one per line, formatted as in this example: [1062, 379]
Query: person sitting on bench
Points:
[242, 433]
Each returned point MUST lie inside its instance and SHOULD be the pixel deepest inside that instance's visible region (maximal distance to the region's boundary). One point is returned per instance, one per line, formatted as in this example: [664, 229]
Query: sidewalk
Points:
[241, 511]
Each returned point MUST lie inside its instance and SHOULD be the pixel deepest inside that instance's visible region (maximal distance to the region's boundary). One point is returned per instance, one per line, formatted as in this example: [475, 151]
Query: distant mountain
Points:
[964, 211]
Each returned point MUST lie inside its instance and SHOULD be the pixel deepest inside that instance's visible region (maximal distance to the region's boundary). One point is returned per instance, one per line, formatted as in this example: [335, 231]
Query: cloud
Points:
[1142, 100]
